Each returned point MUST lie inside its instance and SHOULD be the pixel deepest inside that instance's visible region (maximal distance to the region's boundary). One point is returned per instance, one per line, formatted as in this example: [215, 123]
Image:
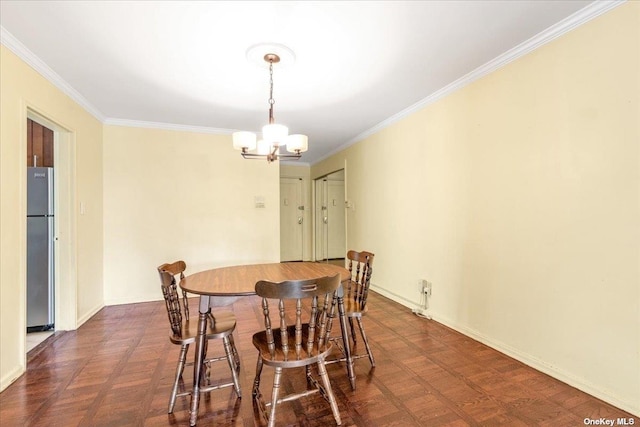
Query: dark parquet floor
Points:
[117, 370]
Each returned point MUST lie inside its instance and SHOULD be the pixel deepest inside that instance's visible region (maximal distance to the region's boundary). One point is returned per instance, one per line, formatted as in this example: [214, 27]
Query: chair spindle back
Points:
[168, 273]
[360, 268]
[297, 290]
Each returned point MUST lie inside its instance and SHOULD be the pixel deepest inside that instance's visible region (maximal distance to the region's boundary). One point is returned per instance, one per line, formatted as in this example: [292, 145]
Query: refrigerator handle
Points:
[51, 285]
[35, 160]
[50, 206]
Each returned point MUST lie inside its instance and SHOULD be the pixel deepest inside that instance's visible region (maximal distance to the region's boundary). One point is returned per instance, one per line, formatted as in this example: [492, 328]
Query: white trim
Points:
[294, 163]
[14, 45]
[133, 300]
[166, 126]
[10, 377]
[89, 315]
[542, 366]
[582, 16]
[394, 297]
[534, 362]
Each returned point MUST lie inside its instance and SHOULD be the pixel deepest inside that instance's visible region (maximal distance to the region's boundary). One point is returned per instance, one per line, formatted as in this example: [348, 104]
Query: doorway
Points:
[57, 152]
[330, 218]
[40, 233]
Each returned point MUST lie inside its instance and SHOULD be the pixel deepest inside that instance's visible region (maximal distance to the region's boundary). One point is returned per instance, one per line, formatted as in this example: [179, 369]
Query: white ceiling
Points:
[358, 63]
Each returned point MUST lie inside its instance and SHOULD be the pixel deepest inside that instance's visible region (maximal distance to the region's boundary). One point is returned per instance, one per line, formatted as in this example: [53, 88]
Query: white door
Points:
[291, 219]
[335, 209]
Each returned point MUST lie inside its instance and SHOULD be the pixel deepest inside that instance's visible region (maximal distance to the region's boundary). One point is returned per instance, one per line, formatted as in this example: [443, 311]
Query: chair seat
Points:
[290, 359]
[352, 308]
[224, 326]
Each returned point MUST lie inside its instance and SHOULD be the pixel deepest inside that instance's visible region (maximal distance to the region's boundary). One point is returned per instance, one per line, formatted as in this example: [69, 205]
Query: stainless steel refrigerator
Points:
[40, 239]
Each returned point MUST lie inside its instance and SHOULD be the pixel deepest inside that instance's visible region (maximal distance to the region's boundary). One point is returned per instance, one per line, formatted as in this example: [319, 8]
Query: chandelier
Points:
[274, 135]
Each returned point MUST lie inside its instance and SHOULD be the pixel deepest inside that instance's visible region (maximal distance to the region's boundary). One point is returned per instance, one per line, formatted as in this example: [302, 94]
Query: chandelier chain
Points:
[271, 100]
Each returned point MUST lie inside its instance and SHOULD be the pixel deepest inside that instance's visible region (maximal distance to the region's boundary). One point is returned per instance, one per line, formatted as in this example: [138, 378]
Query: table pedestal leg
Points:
[199, 359]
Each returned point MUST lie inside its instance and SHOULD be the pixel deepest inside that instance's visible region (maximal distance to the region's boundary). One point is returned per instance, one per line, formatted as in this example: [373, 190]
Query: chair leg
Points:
[182, 363]
[274, 396]
[331, 315]
[206, 372]
[236, 357]
[179, 370]
[232, 364]
[353, 331]
[307, 370]
[259, 405]
[256, 381]
[366, 342]
[322, 371]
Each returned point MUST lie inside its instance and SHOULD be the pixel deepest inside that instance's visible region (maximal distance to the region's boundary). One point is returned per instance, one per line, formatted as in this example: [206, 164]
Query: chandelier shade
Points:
[297, 142]
[244, 140]
[274, 135]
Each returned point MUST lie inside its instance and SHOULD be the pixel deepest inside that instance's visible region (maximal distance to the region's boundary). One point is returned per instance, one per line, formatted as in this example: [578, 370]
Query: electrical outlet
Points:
[426, 287]
[422, 286]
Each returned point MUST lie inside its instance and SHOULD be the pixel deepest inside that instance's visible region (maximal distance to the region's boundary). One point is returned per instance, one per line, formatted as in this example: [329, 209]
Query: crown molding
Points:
[15, 46]
[581, 17]
[294, 163]
[166, 126]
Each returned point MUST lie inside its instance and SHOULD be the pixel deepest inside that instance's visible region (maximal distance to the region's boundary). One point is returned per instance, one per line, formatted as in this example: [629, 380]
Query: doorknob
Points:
[299, 220]
[326, 220]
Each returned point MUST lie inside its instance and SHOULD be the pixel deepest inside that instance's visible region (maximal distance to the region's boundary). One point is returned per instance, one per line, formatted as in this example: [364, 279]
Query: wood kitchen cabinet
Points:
[39, 145]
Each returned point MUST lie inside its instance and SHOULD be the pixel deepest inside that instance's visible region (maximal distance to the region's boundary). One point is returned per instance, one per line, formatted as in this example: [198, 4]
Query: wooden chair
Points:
[184, 333]
[291, 343]
[355, 303]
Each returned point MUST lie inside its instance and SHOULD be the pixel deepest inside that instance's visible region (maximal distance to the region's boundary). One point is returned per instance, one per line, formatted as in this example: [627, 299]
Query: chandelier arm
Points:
[290, 156]
[255, 156]
[273, 155]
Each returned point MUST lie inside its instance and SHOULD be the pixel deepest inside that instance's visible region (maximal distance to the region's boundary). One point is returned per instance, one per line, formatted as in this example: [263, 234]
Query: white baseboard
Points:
[527, 359]
[542, 366]
[395, 297]
[89, 315]
[133, 299]
[10, 377]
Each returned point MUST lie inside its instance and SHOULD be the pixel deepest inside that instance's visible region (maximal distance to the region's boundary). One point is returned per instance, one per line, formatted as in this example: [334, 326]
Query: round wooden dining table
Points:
[222, 286]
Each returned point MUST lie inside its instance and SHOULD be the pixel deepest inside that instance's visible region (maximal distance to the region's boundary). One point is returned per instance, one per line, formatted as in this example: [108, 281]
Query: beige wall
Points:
[22, 88]
[178, 195]
[519, 198]
[152, 180]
